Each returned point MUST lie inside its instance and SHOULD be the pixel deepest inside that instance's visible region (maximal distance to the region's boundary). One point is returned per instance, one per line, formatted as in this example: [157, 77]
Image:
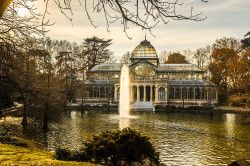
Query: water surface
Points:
[181, 138]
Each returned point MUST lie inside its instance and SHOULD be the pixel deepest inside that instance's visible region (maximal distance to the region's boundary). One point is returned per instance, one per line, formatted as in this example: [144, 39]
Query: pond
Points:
[181, 138]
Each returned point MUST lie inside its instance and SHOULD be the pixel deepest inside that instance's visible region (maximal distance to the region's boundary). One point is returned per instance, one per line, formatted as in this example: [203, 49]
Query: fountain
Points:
[124, 101]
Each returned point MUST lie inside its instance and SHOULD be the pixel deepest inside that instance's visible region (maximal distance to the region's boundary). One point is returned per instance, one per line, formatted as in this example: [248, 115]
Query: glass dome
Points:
[144, 50]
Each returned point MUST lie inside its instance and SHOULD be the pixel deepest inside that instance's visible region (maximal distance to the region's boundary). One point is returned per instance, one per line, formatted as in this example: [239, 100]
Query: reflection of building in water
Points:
[230, 124]
[151, 81]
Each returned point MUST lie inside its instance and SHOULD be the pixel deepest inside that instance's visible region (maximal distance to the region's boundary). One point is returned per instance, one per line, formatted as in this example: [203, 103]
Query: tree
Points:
[126, 58]
[189, 55]
[96, 51]
[3, 5]
[111, 59]
[202, 56]
[26, 79]
[230, 43]
[16, 29]
[146, 14]
[240, 88]
[246, 40]
[221, 68]
[6, 99]
[163, 56]
[176, 58]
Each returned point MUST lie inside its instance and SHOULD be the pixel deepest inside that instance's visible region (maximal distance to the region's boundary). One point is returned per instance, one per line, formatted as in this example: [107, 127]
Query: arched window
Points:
[90, 89]
[118, 93]
[177, 93]
[96, 92]
[161, 93]
[206, 94]
[197, 93]
[190, 93]
[102, 89]
[112, 92]
[184, 93]
[203, 93]
[171, 93]
[214, 94]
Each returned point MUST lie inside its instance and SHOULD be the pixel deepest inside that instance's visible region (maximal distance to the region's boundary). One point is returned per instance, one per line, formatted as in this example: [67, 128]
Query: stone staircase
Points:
[142, 106]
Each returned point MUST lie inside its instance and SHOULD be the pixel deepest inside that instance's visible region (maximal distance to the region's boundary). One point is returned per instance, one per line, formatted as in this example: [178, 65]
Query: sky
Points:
[224, 18]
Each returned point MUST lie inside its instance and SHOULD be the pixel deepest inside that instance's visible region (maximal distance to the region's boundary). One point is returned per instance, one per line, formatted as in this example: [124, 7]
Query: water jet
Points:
[124, 99]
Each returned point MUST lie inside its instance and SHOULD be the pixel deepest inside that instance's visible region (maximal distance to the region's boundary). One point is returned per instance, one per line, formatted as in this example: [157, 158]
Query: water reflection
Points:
[230, 124]
[182, 139]
[123, 123]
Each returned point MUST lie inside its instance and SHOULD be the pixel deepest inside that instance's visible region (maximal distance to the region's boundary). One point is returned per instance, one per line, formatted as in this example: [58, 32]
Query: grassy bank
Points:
[26, 152]
[232, 109]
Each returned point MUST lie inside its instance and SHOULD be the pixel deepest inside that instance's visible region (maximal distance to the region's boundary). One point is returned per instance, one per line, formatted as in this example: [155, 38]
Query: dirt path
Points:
[15, 108]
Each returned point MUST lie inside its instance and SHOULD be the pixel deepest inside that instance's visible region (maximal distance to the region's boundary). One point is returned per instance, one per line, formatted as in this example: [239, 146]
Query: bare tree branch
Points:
[145, 13]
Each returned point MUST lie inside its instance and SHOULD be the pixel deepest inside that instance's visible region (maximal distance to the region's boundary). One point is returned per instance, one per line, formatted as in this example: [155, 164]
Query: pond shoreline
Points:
[29, 152]
[17, 110]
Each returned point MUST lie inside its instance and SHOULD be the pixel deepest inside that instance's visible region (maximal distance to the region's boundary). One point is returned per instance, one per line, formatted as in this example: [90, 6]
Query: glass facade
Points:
[151, 81]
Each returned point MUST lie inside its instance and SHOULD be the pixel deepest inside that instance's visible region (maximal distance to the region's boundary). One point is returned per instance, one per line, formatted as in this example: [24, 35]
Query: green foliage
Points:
[31, 154]
[114, 147]
[5, 138]
[122, 145]
[199, 108]
[180, 108]
[170, 107]
[63, 154]
[176, 58]
[79, 155]
[96, 51]
[246, 40]
[160, 108]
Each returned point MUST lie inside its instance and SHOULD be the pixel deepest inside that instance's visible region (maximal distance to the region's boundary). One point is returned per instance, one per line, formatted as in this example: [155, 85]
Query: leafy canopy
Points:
[176, 58]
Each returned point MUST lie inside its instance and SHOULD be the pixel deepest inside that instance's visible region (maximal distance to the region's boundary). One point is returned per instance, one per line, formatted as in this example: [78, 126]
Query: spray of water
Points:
[124, 104]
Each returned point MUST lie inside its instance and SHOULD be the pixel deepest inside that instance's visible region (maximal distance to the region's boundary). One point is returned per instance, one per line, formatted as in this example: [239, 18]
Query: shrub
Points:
[202, 108]
[5, 138]
[240, 100]
[79, 155]
[63, 154]
[114, 147]
[104, 106]
[125, 145]
[170, 107]
[179, 108]
[160, 107]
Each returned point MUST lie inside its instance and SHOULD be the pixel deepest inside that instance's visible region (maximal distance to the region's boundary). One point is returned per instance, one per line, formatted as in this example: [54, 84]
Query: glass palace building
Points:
[150, 81]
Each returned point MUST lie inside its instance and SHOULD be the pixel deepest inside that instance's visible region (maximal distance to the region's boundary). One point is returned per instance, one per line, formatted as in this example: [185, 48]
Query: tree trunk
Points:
[82, 107]
[24, 121]
[225, 88]
[45, 120]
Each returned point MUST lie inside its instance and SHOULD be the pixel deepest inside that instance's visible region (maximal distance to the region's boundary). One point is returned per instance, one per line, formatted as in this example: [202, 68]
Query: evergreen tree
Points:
[96, 51]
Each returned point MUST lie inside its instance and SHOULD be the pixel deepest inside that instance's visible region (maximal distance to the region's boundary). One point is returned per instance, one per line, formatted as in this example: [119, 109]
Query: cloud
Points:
[225, 18]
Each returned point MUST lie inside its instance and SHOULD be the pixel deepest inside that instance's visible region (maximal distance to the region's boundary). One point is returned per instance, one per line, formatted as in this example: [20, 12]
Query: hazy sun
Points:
[22, 11]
